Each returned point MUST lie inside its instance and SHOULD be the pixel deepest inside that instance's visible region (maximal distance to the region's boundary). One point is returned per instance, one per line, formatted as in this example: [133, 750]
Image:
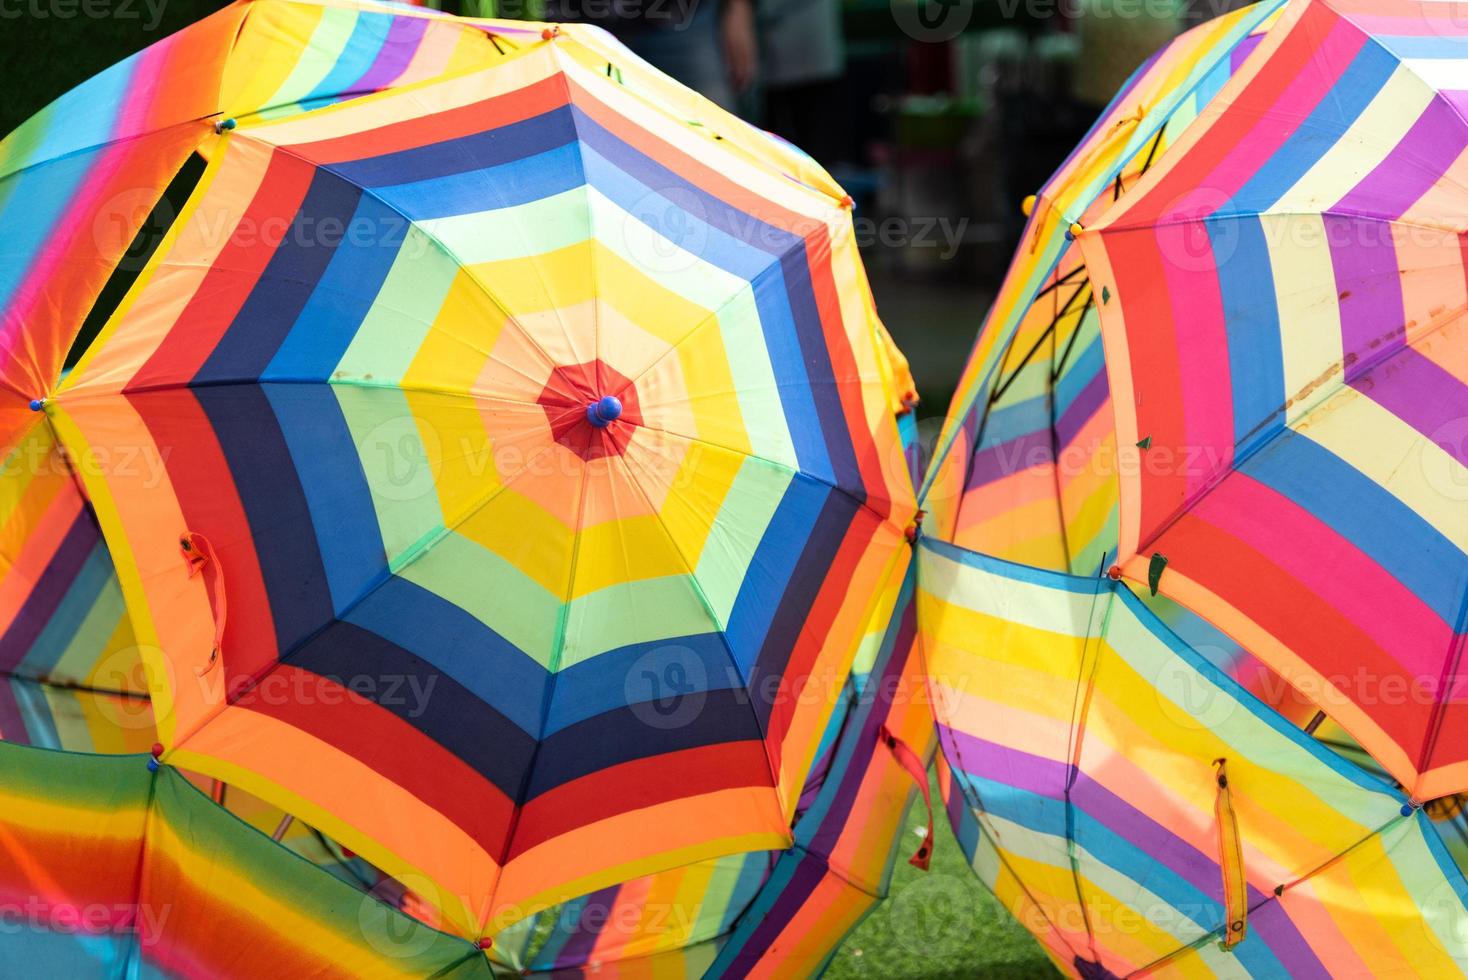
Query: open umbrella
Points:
[1143, 814]
[1282, 299]
[531, 478]
[82, 196]
[117, 867]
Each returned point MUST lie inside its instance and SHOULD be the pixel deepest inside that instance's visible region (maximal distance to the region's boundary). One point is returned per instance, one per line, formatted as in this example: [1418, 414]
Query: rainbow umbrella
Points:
[530, 477]
[1282, 335]
[80, 185]
[774, 913]
[119, 868]
[1143, 814]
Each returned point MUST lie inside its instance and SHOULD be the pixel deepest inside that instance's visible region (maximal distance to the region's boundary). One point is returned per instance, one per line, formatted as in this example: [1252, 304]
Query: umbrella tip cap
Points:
[1027, 206]
[604, 411]
[225, 125]
[37, 404]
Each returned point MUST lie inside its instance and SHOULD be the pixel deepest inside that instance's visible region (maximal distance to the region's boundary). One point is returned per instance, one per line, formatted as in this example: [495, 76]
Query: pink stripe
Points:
[1279, 120]
[1333, 568]
[1203, 367]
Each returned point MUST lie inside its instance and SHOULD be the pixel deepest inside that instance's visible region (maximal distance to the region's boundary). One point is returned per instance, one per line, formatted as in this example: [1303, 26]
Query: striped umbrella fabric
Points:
[115, 869]
[77, 185]
[774, 913]
[520, 532]
[1283, 338]
[1145, 815]
[1024, 465]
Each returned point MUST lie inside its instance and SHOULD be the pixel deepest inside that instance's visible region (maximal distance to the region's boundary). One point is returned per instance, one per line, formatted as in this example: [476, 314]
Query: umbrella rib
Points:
[1270, 897]
[709, 611]
[428, 235]
[799, 474]
[1337, 384]
[562, 617]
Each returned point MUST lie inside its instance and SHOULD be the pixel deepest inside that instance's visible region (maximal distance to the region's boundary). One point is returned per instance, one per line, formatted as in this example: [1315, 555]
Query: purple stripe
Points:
[1419, 392]
[1428, 151]
[1008, 458]
[1368, 288]
[12, 720]
[1010, 767]
[807, 877]
[396, 53]
[1082, 410]
[1242, 51]
[38, 608]
[579, 944]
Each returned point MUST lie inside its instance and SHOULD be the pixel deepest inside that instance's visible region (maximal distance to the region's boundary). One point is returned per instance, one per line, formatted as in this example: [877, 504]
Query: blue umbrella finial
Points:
[604, 411]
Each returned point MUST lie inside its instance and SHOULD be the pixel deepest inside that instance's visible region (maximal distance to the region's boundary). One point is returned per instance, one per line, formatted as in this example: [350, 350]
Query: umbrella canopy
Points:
[83, 200]
[1285, 341]
[784, 913]
[1144, 814]
[530, 478]
[1025, 466]
[117, 869]
[82, 189]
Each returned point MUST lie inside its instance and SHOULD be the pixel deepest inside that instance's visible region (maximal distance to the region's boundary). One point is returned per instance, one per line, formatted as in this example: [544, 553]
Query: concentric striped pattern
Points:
[1085, 741]
[77, 182]
[1024, 466]
[111, 870]
[792, 909]
[1285, 328]
[463, 618]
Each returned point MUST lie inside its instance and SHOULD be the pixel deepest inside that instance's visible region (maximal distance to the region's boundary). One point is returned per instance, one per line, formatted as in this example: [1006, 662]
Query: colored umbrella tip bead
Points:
[157, 750]
[604, 411]
[37, 404]
[1027, 206]
[1073, 232]
[485, 943]
[550, 33]
[225, 125]
[847, 203]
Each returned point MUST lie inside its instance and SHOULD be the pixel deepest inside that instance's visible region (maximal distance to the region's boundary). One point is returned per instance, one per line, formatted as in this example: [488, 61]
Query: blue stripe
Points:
[343, 296]
[361, 50]
[1359, 510]
[343, 516]
[1251, 321]
[1318, 133]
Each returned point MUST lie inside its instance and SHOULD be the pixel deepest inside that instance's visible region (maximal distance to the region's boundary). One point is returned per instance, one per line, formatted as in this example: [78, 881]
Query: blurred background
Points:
[938, 116]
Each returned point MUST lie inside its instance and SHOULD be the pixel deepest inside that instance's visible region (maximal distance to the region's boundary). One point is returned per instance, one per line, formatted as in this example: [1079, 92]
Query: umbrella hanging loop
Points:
[909, 760]
[198, 553]
[1230, 862]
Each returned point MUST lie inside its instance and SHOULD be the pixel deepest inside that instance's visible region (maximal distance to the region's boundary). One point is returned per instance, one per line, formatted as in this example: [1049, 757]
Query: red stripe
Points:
[1141, 284]
[203, 484]
[441, 127]
[1205, 168]
[639, 784]
[1303, 622]
[387, 744]
[232, 276]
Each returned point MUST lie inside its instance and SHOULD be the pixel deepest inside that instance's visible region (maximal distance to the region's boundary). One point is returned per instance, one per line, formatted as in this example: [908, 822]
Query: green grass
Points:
[938, 924]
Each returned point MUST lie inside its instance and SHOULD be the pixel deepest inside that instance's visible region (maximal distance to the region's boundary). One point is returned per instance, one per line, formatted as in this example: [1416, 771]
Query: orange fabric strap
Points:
[909, 760]
[199, 554]
[1231, 863]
